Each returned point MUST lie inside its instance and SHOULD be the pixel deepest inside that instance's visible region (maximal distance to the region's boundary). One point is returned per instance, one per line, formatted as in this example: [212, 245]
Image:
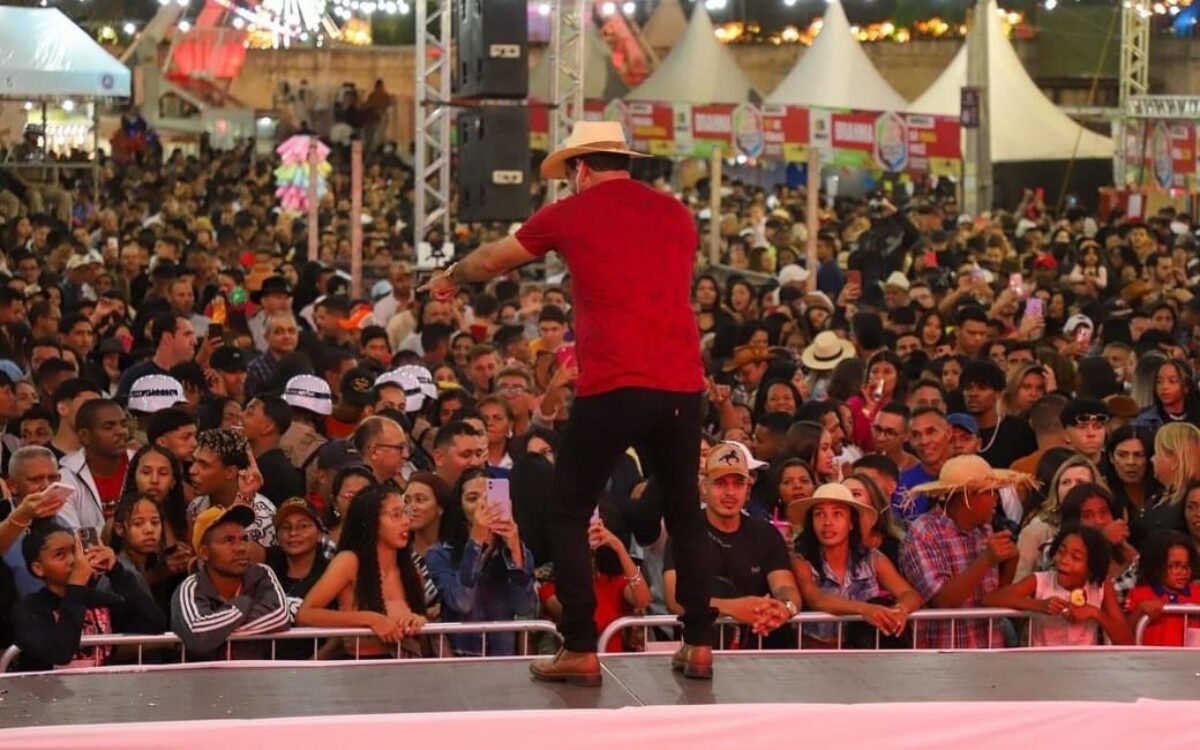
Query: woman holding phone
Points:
[481, 567]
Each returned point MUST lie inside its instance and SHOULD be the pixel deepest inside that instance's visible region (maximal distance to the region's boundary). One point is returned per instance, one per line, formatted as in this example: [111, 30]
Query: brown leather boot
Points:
[694, 661]
[572, 667]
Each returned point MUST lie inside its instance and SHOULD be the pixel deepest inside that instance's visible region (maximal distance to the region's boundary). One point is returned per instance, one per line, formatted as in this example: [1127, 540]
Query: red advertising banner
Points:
[786, 132]
[883, 141]
[652, 126]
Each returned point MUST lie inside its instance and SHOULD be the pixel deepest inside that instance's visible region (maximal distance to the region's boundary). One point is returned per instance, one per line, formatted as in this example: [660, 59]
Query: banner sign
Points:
[1161, 154]
[879, 141]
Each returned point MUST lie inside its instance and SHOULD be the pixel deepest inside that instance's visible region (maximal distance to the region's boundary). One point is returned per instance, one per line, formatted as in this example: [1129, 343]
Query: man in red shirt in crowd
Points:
[629, 250]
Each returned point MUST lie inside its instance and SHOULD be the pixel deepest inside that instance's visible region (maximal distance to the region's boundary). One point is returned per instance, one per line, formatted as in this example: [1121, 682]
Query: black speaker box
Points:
[493, 49]
[493, 164]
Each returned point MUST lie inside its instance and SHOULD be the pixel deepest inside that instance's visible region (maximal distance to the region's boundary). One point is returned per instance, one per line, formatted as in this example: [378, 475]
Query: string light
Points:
[629, 8]
[130, 28]
[543, 9]
[184, 26]
[608, 9]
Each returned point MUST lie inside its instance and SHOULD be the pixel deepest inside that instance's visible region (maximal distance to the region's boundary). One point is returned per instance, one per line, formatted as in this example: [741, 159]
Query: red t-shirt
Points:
[610, 603]
[1168, 631]
[630, 251]
[110, 488]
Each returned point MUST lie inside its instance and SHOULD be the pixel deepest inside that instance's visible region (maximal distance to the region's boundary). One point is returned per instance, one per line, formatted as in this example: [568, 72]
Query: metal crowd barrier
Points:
[1187, 610]
[437, 630]
[953, 616]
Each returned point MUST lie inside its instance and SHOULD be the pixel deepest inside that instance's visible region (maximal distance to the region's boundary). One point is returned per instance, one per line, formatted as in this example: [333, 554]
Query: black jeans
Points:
[664, 428]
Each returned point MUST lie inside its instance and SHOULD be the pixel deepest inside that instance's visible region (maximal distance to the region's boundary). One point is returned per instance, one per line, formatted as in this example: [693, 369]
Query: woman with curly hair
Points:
[372, 578]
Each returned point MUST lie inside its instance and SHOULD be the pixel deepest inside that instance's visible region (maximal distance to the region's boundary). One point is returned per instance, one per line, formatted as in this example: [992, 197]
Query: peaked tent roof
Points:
[600, 78]
[699, 70]
[666, 25]
[836, 72]
[44, 54]
[1026, 126]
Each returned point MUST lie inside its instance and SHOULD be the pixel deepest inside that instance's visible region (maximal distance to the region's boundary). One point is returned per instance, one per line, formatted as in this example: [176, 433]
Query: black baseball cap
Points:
[358, 387]
[228, 359]
[337, 455]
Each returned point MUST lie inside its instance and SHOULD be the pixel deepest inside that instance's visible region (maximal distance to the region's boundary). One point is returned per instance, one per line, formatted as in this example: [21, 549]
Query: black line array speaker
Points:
[493, 164]
[493, 49]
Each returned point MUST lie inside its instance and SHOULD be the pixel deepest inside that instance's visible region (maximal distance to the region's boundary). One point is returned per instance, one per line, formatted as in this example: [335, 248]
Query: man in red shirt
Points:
[629, 250]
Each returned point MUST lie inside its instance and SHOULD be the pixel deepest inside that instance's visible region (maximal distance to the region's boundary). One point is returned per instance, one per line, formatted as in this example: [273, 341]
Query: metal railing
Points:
[953, 616]
[440, 631]
[1186, 610]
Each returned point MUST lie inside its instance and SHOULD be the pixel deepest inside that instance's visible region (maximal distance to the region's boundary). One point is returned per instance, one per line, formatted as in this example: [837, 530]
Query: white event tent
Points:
[44, 55]
[600, 78]
[835, 72]
[1025, 125]
[699, 70]
[666, 25]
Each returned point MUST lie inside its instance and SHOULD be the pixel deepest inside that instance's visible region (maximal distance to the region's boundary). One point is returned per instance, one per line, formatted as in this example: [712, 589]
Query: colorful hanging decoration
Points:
[292, 176]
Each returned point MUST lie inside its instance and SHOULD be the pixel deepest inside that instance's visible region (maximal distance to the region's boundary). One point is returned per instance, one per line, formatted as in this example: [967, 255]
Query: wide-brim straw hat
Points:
[603, 137]
[826, 351]
[971, 474]
[746, 354]
[797, 512]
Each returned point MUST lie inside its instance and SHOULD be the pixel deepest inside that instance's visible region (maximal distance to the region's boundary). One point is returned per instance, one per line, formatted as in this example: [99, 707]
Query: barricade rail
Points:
[915, 620]
[1189, 611]
[169, 644]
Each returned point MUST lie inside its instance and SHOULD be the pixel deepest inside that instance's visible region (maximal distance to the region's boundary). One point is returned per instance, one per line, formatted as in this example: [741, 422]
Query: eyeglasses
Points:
[513, 390]
[404, 448]
[885, 431]
[1083, 420]
[1178, 566]
[398, 514]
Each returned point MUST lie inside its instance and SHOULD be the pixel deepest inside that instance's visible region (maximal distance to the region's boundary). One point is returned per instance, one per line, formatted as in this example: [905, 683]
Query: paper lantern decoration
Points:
[292, 176]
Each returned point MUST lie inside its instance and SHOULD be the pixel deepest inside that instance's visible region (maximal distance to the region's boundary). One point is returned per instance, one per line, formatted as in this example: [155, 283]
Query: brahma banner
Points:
[881, 141]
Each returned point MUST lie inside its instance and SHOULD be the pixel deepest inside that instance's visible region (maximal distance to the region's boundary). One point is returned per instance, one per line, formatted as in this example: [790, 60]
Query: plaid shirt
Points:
[935, 551]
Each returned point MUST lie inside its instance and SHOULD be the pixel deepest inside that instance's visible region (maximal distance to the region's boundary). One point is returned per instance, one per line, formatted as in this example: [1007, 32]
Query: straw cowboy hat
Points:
[588, 138]
[971, 474]
[826, 351]
[747, 354]
[797, 512]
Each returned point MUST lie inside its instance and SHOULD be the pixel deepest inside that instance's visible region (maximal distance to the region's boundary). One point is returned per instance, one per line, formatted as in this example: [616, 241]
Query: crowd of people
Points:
[205, 433]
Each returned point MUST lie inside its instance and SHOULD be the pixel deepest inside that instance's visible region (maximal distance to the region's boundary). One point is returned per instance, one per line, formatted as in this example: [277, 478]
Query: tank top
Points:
[1054, 630]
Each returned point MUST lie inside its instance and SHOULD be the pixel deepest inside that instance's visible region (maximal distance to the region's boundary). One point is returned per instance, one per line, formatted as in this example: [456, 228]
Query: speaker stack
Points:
[492, 68]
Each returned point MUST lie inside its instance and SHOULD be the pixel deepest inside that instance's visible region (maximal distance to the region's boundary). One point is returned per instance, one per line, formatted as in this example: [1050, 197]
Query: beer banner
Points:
[879, 141]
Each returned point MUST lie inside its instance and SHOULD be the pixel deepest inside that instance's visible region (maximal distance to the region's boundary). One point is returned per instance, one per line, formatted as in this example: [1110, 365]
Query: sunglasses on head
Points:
[1084, 420]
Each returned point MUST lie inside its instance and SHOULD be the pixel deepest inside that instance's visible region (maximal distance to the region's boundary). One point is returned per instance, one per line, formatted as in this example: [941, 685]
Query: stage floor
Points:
[204, 692]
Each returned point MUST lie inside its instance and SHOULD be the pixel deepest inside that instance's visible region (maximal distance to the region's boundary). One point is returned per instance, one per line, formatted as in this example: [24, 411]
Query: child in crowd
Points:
[48, 624]
[1169, 562]
[1075, 599]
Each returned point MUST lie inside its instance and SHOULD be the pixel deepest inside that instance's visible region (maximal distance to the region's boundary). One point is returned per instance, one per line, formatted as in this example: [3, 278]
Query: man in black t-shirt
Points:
[265, 420]
[1004, 439]
[752, 574]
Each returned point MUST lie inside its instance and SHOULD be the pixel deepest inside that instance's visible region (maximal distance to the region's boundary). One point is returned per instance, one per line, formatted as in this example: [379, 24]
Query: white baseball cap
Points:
[414, 398]
[151, 393]
[309, 392]
[424, 379]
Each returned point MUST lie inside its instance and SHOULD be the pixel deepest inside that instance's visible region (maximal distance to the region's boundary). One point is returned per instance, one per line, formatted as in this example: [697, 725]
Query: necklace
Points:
[995, 432]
